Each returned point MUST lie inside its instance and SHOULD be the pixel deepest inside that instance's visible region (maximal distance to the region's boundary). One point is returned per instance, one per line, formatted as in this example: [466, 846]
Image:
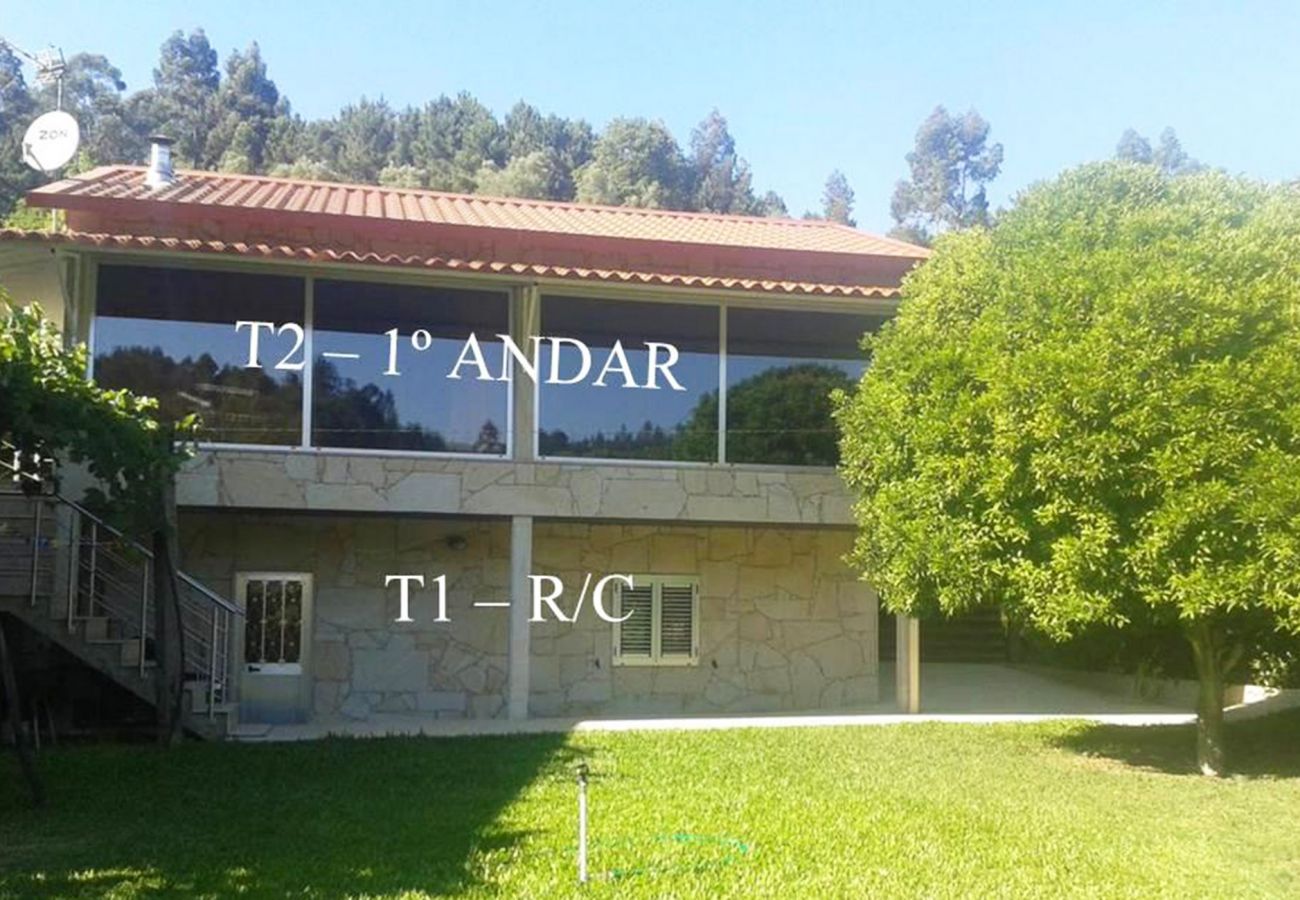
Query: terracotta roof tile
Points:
[529, 270]
[249, 192]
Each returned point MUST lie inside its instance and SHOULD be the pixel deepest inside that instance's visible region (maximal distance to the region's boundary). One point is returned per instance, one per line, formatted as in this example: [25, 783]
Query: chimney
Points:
[160, 173]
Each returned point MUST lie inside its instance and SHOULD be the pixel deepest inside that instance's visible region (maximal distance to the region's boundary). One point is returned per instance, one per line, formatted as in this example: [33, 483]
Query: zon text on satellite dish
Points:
[51, 141]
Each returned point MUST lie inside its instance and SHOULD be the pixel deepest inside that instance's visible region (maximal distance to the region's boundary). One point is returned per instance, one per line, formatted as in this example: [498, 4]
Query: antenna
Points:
[49, 63]
[52, 140]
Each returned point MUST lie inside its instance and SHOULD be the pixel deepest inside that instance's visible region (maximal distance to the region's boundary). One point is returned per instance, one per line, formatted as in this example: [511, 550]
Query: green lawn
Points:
[916, 810]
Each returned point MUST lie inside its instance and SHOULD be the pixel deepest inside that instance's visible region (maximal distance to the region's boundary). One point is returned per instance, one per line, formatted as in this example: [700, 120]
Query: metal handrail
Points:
[136, 545]
[115, 572]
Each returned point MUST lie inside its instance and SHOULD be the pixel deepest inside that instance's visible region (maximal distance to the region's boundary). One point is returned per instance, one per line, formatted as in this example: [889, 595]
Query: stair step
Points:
[96, 628]
[131, 654]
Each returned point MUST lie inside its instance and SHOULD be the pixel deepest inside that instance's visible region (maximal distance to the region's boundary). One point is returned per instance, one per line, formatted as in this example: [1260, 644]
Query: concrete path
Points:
[972, 694]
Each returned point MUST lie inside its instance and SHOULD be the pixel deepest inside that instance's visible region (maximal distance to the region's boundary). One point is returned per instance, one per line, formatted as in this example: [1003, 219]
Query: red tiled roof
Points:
[96, 189]
[535, 270]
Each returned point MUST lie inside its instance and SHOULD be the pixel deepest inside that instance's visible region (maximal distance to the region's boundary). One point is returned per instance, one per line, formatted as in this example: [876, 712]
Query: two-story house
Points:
[365, 416]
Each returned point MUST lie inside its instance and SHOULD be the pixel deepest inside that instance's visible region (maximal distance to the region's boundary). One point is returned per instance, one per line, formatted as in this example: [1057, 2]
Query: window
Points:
[619, 422]
[663, 624]
[781, 369]
[355, 404]
[170, 334]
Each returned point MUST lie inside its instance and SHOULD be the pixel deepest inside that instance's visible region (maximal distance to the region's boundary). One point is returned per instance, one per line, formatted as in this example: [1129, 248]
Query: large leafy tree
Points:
[1090, 414]
[949, 169]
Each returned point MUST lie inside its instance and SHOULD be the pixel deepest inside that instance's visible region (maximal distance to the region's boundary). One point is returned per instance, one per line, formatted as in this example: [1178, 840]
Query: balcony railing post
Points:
[94, 553]
[36, 548]
[74, 564]
[144, 613]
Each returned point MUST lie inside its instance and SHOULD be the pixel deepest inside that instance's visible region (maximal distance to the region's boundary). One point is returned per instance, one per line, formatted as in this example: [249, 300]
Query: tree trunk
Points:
[9, 682]
[168, 637]
[1209, 701]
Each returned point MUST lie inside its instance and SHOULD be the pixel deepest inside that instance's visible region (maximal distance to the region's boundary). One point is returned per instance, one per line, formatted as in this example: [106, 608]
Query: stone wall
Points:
[332, 481]
[362, 662]
[784, 624]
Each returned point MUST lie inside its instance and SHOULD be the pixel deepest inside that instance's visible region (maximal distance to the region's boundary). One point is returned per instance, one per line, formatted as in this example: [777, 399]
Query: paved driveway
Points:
[953, 692]
[981, 688]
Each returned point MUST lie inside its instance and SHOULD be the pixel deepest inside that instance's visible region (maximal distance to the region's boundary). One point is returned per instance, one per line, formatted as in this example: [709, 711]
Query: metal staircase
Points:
[87, 587]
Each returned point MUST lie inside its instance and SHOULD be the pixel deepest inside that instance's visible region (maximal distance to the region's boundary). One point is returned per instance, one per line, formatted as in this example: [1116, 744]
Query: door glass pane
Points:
[292, 621]
[253, 625]
[274, 620]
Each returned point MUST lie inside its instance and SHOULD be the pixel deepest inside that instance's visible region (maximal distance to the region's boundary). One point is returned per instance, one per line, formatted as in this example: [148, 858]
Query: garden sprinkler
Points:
[582, 823]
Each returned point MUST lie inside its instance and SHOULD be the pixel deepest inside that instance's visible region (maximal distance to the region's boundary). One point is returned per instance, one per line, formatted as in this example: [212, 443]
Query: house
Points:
[317, 327]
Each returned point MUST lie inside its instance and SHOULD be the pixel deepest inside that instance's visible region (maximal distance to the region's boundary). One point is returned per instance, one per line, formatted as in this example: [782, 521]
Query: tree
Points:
[951, 165]
[1133, 147]
[247, 103]
[1168, 155]
[772, 204]
[837, 200]
[93, 92]
[450, 139]
[781, 416]
[17, 108]
[530, 175]
[183, 102]
[722, 181]
[49, 411]
[1090, 414]
[360, 140]
[636, 163]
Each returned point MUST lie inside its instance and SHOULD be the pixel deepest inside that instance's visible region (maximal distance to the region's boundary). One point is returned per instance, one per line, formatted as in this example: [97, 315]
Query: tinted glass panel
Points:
[356, 405]
[781, 369]
[170, 334]
[620, 422]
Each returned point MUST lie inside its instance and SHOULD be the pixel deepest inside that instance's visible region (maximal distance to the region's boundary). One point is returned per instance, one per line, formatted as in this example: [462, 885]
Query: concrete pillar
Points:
[907, 665]
[521, 564]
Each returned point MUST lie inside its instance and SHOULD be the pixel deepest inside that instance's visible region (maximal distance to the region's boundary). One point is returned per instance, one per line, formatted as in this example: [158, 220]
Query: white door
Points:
[274, 684]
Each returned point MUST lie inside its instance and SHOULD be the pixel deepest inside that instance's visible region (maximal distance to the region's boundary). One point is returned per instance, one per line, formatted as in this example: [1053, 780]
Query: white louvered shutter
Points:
[677, 620]
[636, 634]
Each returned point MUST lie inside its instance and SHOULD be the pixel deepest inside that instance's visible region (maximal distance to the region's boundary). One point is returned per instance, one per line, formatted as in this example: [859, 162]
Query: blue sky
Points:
[806, 87]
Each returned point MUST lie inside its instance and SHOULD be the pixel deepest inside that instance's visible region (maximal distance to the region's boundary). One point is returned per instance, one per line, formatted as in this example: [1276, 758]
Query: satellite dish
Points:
[51, 141]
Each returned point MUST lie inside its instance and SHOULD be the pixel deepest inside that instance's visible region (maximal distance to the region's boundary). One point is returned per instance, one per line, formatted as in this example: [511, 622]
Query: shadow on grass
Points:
[328, 818]
[1260, 748]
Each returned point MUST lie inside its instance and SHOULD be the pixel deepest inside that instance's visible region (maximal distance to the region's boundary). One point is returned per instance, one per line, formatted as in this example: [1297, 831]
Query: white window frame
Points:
[656, 657]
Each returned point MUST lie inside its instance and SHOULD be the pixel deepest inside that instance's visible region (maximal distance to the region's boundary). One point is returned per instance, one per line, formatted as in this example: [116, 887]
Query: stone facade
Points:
[784, 624]
[320, 481]
[361, 661]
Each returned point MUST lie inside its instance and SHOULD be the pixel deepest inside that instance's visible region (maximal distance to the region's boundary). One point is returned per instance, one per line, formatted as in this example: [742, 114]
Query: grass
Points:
[918, 810]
